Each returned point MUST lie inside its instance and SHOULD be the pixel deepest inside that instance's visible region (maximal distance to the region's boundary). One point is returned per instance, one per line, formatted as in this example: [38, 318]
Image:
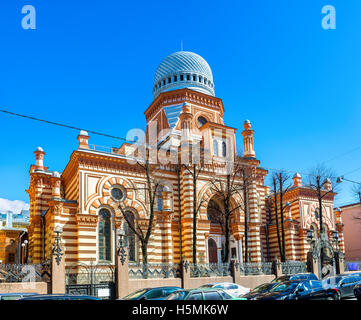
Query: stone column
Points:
[254, 235]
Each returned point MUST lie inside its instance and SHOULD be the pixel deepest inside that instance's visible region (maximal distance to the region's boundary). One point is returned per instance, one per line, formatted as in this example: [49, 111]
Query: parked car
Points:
[15, 296]
[202, 294]
[232, 288]
[59, 297]
[159, 293]
[357, 291]
[263, 288]
[298, 290]
[297, 276]
[343, 284]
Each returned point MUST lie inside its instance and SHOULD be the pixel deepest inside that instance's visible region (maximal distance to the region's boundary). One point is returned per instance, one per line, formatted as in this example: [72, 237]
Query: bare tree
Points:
[281, 185]
[195, 169]
[233, 184]
[323, 182]
[151, 189]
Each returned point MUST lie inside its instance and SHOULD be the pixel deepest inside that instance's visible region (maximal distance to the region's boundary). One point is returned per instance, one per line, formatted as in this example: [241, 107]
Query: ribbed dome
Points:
[183, 69]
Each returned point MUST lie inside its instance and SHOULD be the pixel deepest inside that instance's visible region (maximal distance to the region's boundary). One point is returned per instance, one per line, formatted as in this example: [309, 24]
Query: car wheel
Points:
[336, 296]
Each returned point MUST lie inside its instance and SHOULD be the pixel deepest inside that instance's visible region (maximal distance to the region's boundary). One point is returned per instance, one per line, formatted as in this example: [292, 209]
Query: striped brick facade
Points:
[298, 218]
[74, 199]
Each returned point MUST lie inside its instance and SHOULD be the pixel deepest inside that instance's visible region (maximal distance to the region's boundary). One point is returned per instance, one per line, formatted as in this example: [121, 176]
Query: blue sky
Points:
[91, 65]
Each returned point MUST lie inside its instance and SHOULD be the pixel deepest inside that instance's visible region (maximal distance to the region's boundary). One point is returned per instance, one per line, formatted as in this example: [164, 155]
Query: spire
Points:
[248, 140]
[39, 155]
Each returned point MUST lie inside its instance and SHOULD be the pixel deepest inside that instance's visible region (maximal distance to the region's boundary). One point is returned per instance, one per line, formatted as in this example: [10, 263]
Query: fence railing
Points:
[210, 270]
[352, 266]
[293, 267]
[25, 272]
[250, 268]
[153, 270]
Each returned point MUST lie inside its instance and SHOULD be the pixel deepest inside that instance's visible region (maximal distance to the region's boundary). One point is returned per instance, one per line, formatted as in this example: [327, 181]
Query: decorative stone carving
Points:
[87, 220]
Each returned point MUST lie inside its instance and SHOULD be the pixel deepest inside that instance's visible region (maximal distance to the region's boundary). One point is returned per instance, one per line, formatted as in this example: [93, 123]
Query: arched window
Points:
[224, 149]
[201, 121]
[160, 198]
[215, 147]
[130, 236]
[104, 235]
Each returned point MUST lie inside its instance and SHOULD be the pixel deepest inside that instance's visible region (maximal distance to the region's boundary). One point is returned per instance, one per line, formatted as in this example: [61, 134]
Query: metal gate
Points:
[96, 280]
[325, 254]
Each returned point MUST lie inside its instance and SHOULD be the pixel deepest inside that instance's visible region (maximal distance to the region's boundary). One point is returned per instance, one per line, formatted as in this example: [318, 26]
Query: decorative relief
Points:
[87, 220]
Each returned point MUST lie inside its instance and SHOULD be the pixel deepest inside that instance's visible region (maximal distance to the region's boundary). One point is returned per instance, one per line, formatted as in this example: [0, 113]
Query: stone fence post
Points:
[235, 271]
[339, 260]
[185, 274]
[121, 274]
[57, 274]
[277, 268]
[313, 265]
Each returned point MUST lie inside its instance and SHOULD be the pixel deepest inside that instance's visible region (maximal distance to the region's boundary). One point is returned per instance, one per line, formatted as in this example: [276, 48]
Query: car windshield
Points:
[178, 295]
[285, 286]
[262, 288]
[135, 294]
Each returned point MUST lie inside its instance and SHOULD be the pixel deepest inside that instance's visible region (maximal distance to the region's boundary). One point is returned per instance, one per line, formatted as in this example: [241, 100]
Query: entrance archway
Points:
[212, 251]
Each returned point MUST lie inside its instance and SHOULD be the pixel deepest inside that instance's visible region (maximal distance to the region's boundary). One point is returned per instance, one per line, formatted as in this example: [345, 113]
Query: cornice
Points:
[183, 95]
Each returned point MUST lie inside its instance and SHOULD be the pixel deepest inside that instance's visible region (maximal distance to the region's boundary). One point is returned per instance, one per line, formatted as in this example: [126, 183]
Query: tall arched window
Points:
[104, 235]
[224, 149]
[131, 237]
[160, 198]
[215, 147]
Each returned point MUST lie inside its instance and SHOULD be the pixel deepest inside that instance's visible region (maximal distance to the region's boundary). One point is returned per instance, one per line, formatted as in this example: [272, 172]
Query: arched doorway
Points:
[212, 251]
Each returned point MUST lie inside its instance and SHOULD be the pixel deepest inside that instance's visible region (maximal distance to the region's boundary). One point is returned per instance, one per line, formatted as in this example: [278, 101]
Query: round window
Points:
[201, 121]
[117, 194]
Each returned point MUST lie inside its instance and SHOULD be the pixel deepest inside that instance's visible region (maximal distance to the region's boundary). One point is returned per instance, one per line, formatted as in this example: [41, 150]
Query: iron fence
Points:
[153, 270]
[25, 272]
[293, 267]
[252, 268]
[209, 270]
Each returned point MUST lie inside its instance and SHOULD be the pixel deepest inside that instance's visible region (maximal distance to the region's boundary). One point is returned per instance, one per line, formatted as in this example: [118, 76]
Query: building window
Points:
[188, 76]
[159, 198]
[104, 236]
[194, 78]
[169, 80]
[11, 258]
[130, 236]
[117, 193]
[224, 149]
[201, 121]
[215, 147]
[181, 77]
[163, 82]
[175, 78]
